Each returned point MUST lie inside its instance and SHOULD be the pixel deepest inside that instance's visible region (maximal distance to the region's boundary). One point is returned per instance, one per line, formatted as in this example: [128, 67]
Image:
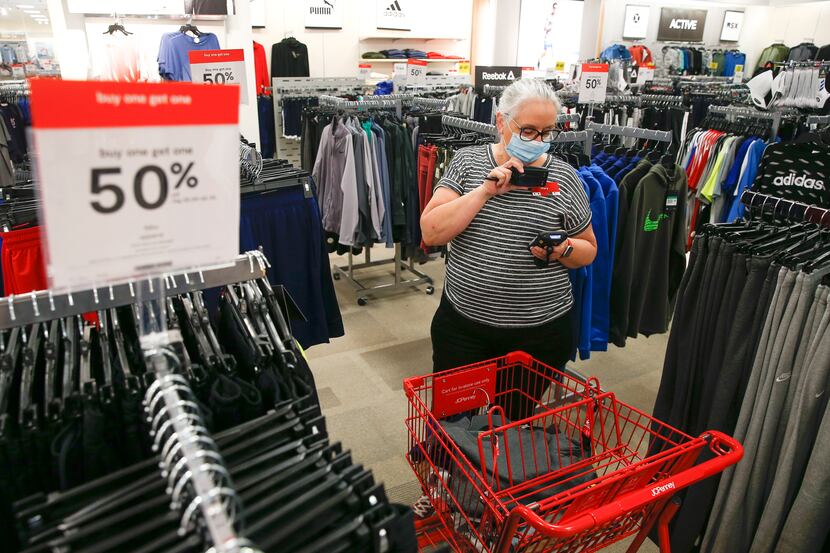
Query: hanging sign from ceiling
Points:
[681, 24]
[496, 75]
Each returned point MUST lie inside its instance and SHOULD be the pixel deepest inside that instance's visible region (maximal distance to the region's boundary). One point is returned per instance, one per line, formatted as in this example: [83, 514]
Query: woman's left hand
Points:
[542, 254]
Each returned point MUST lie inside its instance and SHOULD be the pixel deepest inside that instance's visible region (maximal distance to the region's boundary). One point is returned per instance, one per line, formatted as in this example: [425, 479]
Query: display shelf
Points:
[428, 38]
[403, 60]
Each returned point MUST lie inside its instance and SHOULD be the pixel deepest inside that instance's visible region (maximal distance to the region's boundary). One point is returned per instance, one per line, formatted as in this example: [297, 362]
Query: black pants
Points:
[459, 341]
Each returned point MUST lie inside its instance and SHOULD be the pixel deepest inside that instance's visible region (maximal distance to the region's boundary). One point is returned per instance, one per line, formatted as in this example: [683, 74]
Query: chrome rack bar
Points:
[738, 111]
[782, 207]
[586, 137]
[814, 120]
[42, 306]
[347, 274]
[630, 132]
[431, 102]
[469, 125]
[568, 118]
[660, 98]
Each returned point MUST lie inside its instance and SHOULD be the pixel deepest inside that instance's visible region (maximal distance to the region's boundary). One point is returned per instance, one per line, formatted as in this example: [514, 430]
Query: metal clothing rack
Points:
[629, 132]
[387, 101]
[469, 125]
[189, 457]
[398, 283]
[660, 98]
[286, 87]
[815, 120]
[440, 103]
[732, 112]
[807, 213]
[44, 305]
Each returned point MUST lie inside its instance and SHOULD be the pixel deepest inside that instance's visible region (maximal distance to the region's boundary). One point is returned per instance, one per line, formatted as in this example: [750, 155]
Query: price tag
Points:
[18, 72]
[137, 179]
[463, 67]
[593, 83]
[645, 74]
[738, 77]
[713, 65]
[416, 71]
[364, 71]
[560, 66]
[220, 67]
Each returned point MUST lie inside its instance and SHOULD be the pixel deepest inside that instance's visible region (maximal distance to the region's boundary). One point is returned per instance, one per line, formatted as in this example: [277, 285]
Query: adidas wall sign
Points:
[496, 75]
[395, 14]
[323, 14]
[681, 24]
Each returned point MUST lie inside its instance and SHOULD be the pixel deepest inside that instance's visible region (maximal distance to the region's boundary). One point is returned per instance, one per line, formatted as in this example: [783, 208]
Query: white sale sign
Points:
[138, 180]
[416, 71]
[220, 67]
[593, 83]
[645, 74]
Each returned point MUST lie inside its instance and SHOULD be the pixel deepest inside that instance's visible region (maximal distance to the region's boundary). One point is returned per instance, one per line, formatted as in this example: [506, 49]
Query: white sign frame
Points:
[394, 15]
[733, 22]
[323, 14]
[636, 21]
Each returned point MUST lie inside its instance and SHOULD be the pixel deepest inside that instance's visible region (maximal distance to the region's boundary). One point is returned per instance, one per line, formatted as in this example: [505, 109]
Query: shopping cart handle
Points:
[728, 452]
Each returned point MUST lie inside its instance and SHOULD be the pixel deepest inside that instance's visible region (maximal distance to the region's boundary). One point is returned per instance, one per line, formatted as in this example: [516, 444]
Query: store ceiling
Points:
[23, 15]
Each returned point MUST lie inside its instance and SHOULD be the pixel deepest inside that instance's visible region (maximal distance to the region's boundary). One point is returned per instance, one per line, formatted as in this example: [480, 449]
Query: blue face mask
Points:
[526, 151]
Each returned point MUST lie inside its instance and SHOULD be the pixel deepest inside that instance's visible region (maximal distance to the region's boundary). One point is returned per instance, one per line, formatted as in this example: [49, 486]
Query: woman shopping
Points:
[496, 299]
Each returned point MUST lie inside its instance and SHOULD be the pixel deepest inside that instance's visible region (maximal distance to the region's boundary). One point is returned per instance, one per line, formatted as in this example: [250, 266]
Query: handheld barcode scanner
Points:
[547, 240]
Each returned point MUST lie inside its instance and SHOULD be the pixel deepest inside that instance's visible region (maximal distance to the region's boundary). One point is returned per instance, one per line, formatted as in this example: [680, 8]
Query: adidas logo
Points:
[802, 181]
[394, 7]
[688, 24]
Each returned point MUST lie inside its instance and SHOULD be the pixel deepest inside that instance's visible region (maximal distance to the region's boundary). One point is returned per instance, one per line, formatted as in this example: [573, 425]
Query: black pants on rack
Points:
[459, 341]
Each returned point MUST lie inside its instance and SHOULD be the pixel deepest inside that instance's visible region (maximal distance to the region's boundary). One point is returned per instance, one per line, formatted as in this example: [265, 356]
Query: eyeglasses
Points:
[529, 133]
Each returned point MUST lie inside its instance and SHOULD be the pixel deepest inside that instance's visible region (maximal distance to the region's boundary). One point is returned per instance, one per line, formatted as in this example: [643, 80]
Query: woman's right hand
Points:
[503, 174]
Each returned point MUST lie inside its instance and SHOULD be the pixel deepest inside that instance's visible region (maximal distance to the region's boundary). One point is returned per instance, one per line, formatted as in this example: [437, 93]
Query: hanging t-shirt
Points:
[173, 59]
[796, 171]
[117, 58]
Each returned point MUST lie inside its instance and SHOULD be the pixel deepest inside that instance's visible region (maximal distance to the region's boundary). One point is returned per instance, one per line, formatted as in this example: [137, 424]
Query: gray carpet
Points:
[360, 375]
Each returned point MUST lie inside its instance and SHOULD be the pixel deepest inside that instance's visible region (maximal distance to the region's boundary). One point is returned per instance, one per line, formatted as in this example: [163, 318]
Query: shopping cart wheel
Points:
[430, 290]
[335, 276]
[362, 301]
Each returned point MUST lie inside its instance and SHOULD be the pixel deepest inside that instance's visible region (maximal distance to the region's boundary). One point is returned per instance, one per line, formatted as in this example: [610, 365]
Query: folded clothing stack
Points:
[394, 54]
[373, 56]
[417, 54]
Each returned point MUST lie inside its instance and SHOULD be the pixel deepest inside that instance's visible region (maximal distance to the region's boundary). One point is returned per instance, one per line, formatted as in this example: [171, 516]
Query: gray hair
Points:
[522, 90]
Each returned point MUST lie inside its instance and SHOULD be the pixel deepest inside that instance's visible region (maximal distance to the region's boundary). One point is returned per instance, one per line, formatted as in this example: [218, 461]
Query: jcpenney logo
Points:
[801, 181]
[508, 76]
[464, 399]
[688, 24]
[657, 490]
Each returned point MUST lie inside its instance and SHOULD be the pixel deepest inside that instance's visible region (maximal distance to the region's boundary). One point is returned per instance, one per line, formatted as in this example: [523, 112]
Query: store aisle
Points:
[359, 376]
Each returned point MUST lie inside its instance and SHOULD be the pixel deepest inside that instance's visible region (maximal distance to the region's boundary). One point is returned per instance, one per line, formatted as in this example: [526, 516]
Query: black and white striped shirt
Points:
[491, 277]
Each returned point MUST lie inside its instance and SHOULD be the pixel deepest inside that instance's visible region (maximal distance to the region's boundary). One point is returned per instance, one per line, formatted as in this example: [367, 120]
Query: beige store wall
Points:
[336, 52]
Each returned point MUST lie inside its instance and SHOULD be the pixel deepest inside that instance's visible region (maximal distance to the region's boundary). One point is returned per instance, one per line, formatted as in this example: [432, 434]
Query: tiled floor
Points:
[360, 375]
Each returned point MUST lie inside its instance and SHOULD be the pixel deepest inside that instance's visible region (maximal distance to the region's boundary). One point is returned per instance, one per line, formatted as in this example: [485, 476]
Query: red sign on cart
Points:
[137, 179]
[220, 67]
[464, 390]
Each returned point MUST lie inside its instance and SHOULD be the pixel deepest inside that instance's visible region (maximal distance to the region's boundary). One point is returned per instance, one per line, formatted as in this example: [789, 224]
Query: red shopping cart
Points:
[517, 456]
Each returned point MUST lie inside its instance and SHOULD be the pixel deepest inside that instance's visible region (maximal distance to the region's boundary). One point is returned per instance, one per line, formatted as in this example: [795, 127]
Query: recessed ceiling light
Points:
[4, 12]
[24, 6]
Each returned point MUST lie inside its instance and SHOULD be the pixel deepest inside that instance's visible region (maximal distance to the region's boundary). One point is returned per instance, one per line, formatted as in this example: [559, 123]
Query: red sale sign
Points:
[137, 179]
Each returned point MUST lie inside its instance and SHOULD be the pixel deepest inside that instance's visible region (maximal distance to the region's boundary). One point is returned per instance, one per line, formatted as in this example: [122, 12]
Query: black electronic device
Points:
[547, 241]
[533, 177]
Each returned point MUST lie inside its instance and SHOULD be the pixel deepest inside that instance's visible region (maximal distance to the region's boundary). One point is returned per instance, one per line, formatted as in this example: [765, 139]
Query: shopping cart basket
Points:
[517, 456]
